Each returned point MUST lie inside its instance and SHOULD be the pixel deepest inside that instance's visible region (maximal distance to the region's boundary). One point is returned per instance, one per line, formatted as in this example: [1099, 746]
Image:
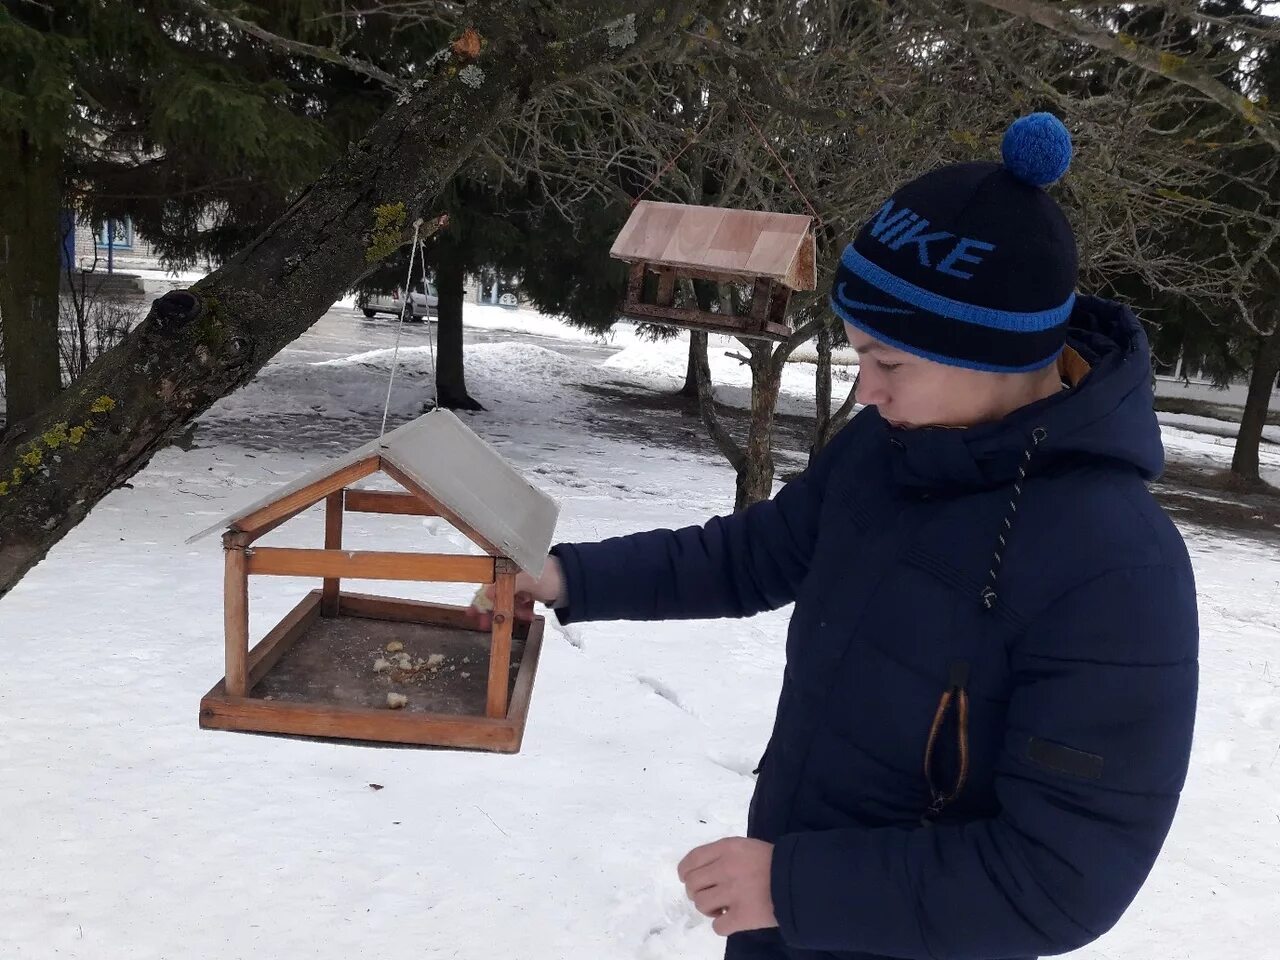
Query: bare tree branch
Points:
[842, 413]
[707, 409]
[1254, 24]
[1162, 63]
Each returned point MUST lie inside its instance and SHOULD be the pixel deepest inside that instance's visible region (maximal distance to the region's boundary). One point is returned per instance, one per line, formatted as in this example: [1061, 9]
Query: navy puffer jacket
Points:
[987, 710]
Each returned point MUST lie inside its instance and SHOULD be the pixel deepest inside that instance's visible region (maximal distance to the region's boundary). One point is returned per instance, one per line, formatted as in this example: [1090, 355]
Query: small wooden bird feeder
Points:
[774, 252]
[325, 670]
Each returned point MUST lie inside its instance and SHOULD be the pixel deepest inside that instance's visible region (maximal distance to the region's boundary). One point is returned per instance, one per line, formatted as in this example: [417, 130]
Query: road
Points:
[344, 331]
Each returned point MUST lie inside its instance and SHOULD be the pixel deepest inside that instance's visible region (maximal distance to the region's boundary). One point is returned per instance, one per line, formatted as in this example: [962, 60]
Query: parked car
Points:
[424, 304]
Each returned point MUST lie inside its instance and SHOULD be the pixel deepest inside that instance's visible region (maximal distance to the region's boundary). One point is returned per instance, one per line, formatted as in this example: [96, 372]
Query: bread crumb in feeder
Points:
[396, 700]
[395, 646]
[435, 659]
[381, 666]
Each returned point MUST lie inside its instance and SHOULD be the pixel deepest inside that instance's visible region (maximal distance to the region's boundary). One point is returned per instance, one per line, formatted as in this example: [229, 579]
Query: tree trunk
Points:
[822, 393]
[835, 421]
[1266, 367]
[707, 410]
[30, 262]
[703, 293]
[451, 381]
[697, 343]
[195, 347]
[755, 475]
[753, 464]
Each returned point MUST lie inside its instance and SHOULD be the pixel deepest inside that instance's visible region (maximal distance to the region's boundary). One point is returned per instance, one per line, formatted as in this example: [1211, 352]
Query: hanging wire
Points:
[693, 138]
[785, 169]
[697, 134]
[431, 340]
[406, 305]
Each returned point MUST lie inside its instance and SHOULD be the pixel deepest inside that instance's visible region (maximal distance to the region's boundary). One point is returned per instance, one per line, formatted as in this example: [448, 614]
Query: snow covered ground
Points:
[126, 833]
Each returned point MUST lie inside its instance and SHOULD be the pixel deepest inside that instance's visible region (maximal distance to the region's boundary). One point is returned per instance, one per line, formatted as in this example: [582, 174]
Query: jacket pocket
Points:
[950, 720]
[1066, 760]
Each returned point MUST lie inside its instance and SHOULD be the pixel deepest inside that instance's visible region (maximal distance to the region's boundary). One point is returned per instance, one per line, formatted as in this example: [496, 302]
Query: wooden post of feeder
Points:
[504, 610]
[236, 618]
[666, 287]
[760, 302]
[635, 282]
[778, 298]
[334, 504]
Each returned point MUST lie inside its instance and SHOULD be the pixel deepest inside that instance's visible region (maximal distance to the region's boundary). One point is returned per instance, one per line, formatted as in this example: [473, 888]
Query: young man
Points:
[991, 676]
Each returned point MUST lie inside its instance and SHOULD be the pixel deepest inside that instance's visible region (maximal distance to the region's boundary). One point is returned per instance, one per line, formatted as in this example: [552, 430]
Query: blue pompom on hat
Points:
[1037, 149]
[973, 264]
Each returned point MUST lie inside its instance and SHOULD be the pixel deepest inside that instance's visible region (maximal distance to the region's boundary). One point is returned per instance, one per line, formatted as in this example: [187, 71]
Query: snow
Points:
[662, 365]
[127, 832]
[484, 316]
[1214, 450]
[1221, 428]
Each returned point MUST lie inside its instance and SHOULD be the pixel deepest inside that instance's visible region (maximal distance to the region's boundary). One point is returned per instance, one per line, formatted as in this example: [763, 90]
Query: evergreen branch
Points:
[1159, 62]
[197, 346]
[355, 64]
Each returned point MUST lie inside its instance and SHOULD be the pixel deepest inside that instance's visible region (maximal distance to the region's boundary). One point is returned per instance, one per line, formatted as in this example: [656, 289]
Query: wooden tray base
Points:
[313, 676]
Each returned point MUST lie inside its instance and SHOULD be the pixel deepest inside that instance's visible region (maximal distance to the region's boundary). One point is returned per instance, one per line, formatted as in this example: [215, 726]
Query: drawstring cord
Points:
[989, 595]
[956, 693]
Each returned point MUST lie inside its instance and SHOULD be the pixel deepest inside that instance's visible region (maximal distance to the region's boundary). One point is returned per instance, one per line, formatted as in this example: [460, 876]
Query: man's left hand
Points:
[729, 881]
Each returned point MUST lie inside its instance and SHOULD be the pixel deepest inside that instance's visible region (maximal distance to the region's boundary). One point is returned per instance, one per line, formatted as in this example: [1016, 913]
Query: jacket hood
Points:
[1107, 415]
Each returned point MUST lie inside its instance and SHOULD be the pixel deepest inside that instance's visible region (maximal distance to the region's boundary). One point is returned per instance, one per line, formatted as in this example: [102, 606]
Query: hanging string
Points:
[693, 138]
[406, 305]
[431, 340]
[785, 169]
[697, 134]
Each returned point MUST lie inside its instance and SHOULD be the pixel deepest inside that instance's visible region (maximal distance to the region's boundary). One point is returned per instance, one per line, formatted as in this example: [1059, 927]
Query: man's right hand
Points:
[548, 588]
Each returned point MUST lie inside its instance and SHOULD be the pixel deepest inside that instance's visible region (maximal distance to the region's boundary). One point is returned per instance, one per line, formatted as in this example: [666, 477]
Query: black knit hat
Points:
[971, 265]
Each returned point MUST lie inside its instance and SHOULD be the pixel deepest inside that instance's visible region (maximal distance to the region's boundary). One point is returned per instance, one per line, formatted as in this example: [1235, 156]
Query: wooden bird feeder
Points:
[316, 674]
[773, 252]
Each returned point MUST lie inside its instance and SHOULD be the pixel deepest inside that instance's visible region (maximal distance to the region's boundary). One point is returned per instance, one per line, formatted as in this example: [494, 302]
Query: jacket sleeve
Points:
[1095, 754]
[732, 566]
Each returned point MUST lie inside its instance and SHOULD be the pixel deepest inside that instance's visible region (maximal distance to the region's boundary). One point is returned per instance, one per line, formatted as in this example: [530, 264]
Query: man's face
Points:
[911, 392]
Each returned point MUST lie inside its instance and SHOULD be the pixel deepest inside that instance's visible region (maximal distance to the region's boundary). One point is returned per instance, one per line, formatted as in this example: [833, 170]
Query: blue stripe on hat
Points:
[1009, 320]
[870, 330]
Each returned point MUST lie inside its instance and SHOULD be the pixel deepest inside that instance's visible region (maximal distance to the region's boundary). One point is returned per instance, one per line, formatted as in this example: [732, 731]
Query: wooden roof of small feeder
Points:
[774, 252]
[317, 673]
